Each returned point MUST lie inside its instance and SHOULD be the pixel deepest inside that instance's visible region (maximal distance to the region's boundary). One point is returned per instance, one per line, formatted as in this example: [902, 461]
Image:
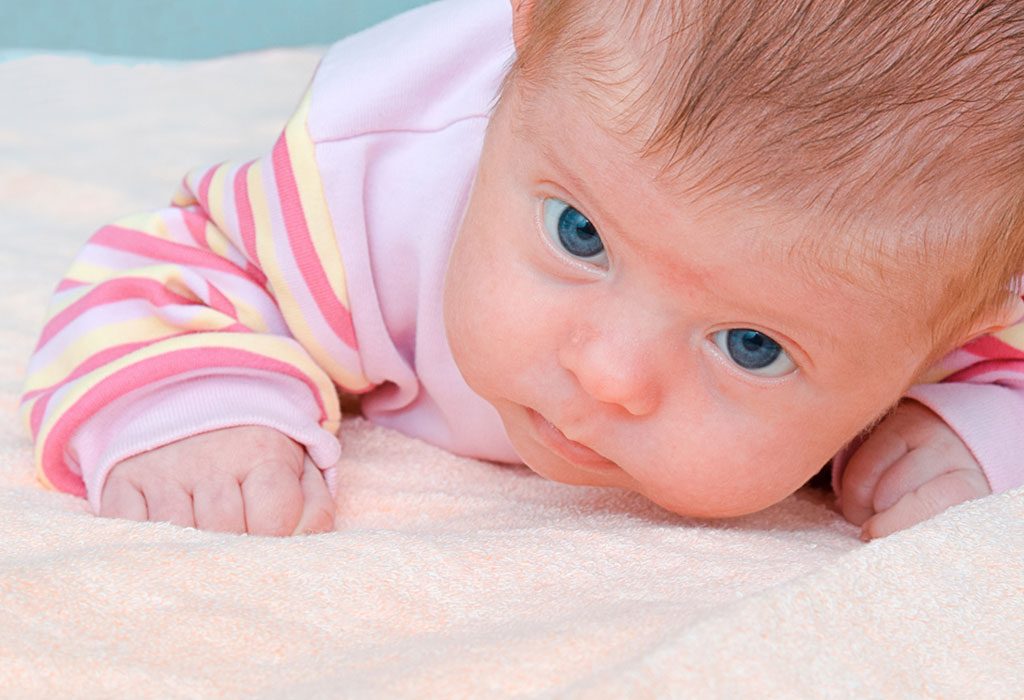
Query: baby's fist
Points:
[242, 479]
[910, 468]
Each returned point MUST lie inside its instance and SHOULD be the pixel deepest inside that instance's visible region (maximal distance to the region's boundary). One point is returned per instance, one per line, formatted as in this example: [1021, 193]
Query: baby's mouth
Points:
[571, 451]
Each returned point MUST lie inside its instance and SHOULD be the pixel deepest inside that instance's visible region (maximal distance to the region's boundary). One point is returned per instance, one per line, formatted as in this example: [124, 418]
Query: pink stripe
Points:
[141, 374]
[204, 188]
[35, 418]
[108, 292]
[68, 283]
[333, 311]
[243, 206]
[993, 348]
[984, 367]
[137, 242]
[195, 222]
[258, 277]
[216, 300]
[245, 217]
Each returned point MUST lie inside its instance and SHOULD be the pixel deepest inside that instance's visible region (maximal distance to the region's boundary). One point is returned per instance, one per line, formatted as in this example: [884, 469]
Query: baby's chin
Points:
[689, 504]
[716, 505]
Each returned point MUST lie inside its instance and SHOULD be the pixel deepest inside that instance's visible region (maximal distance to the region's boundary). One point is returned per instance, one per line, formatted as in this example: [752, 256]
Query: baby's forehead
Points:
[875, 238]
[883, 263]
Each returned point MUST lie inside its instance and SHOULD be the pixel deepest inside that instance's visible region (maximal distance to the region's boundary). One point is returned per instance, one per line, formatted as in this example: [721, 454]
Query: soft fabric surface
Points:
[445, 577]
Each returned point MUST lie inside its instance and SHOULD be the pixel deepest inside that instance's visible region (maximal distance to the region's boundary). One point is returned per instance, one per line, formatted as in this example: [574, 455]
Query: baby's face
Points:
[631, 337]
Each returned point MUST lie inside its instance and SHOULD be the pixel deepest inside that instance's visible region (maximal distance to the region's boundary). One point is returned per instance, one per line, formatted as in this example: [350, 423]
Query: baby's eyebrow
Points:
[578, 186]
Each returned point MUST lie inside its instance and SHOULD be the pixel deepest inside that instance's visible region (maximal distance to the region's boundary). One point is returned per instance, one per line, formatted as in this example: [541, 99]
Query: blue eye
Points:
[571, 231]
[754, 351]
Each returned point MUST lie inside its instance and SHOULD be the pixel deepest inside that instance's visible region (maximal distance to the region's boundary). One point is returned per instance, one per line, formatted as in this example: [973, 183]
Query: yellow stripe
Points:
[1013, 335]
[219, 243]
[314, 204]
[152, 224]
[934, 375]
[84, 271]
[215, 196]
[146, 328]
[25, 411]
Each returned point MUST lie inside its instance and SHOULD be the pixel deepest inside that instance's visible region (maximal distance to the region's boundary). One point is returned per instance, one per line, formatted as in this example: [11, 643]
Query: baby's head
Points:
[709, 243]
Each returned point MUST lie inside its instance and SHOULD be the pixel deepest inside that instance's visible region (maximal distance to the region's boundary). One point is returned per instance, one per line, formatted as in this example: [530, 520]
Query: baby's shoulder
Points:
[421, 71]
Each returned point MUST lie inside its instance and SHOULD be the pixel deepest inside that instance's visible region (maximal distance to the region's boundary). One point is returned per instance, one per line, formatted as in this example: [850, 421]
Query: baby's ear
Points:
[522, 15]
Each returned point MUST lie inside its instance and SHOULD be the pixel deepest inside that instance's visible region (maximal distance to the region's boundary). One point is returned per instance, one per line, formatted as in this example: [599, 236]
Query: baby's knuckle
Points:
[941, 494]
[882, 496]
[963, 485]
[274, 524]
[221, 495]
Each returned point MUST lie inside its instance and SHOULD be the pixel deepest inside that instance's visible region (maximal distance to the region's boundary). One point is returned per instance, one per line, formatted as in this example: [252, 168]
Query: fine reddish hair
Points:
[884, 116]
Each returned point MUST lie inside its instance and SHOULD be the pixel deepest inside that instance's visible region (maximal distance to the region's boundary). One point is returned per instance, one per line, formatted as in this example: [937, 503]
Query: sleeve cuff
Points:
[164, 413]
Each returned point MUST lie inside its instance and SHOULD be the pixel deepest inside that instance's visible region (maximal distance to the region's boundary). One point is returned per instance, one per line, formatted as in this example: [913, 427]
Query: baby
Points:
[691, 249]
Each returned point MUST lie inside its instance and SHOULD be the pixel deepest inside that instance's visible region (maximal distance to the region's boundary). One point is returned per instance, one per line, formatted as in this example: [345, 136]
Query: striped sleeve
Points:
[240, 278]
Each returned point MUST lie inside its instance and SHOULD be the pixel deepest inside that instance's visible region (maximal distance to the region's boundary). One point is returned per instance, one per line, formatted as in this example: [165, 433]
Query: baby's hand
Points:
[243, 479]
[911, 467]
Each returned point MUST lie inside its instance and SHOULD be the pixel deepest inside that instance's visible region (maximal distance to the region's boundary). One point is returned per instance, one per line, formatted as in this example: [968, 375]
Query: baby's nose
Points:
[614, 369]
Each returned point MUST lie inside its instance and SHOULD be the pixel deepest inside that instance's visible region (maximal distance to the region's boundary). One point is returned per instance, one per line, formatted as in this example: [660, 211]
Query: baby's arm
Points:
[946, 443]
[227, 309]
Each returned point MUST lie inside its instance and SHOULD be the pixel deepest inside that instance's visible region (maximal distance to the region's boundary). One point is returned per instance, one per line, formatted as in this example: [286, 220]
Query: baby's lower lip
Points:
[569, 450]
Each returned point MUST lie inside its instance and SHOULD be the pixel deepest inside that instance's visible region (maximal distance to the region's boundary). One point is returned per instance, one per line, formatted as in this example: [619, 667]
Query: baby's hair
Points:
[906, 115]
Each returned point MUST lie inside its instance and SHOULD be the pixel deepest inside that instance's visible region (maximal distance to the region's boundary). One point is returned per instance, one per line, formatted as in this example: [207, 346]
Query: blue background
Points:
[184, 28]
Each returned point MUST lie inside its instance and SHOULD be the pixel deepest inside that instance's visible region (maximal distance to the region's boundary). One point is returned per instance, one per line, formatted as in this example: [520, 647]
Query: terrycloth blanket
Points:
[445, 577]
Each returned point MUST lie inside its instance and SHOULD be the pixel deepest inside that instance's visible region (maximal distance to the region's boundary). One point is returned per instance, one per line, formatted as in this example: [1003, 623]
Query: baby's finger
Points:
[317, 504]
[169, 503]
[927, 501]
[908, 474]
[217, 504]
[273, 500]
[882, 448]
[121, 499]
